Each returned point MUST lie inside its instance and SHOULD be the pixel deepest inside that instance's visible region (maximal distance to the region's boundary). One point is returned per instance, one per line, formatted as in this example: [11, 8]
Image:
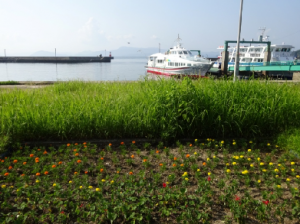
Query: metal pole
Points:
[55, 52]
[5, 52]
[236, 66]
[159, 48]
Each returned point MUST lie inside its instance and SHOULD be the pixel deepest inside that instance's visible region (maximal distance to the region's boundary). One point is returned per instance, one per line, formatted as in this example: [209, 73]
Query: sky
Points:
[71, 26]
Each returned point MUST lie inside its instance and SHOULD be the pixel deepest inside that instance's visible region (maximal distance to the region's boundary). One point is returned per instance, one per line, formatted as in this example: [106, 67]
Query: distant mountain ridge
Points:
[120, 52]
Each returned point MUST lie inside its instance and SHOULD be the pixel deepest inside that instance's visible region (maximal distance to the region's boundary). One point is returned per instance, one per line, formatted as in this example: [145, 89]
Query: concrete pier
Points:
[55, 59]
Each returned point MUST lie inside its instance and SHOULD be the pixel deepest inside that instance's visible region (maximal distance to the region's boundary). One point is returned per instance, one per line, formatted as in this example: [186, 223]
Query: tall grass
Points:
[165, 109]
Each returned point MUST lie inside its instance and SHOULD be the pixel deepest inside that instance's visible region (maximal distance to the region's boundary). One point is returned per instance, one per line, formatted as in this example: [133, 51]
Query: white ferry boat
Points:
[254, 55]
[178, 62]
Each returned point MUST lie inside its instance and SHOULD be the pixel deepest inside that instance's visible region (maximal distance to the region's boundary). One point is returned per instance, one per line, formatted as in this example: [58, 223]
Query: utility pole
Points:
[236, 66]
[4, 52]
[159, 48]
[55, 52]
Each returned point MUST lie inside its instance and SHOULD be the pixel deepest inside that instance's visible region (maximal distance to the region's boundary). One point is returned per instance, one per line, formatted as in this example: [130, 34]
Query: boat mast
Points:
[236, 66]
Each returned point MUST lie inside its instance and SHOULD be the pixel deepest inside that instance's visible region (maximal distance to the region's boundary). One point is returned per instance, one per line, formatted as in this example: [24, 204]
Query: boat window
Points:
[151, 58]
[188, 64]
[278, 49]
[179, 52]
[190, 53]
[255, 59]
[243, 49]
[257, 49]
[176, 64]
[283, 49]
[288, 49]
[159, 61]
[185, 52]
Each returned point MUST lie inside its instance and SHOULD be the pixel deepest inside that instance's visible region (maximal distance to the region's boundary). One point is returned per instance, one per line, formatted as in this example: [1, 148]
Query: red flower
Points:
[164, 185]
[62, 212]
[209, 179]
[266, 202]
[237, 198]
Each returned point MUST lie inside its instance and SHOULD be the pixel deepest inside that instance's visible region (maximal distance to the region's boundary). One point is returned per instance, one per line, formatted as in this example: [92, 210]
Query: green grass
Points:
[290, 140]
[162, 109]
[9, 83]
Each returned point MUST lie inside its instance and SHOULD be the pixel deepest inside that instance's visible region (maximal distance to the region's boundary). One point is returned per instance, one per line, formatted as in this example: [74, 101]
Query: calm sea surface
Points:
[118, 69]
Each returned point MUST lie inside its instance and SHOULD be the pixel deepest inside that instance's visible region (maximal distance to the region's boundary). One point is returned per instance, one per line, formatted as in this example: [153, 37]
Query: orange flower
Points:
[75, 173]
[39, 149]
[204, 163]
[6, 174]
[191, 145]
[157, 151]
[175, 158]
[181, 164]
[2, 161]
[130, 173]
[15, 161]
[59, 162]
[37, 160]
[122, 143]
[46, 172]
[86, 172]
[101, 158]
[76, 144]
[133, 142]
[84, 143]
[37, 174]
[109, 144]
[174, 164]
[118, 171]
[31, 155]
[132, 156]
[77, 154]
[45, 152]
[68, 144]
[74, 150]
[161, 164]
[79, 161]
[53, 166]
[187, 156]
[24, 163]
[22, 175]
[85, 146]
[144, 160]
[10, 167]
[101, 170]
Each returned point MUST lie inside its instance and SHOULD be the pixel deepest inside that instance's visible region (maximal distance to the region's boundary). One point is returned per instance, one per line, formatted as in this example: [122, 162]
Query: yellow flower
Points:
[3, 186]
[276, 176]
[250, 142]
[297, 176]
[279, 164]
[268, 144]
[228, 170]
[293, 170]
[227, 164]
[288, 179]
[276, 170]
[97, 189]
[241, 156]
[195, 153]
[214, 157]
[103, 180]
[37, 181]
[261, 164]
[264, 170]
[11, 186]
[292, 163]
[184, 174]
[271, 164]
[186, 179]
[249, 159]
[196, 140]
[258, 181]
[70, 182]
[112, 182]
[207, 159]
[245, 172]
[276, 146]
[249, 150]
[237, 157]
[209, 173]
[198, 170]
[18, 190]
[222, 142]
[90, 187]
[258, 159]
[251, 165]
[81, 187]
[278, 186]
[208, 139]
[54, 184]
[234, 163]
[233, 143]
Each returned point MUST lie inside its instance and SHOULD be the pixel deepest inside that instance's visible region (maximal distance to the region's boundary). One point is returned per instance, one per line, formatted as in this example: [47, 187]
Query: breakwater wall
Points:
[55, 59]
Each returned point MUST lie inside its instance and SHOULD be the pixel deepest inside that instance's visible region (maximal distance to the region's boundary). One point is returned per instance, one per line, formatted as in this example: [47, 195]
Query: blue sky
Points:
[73, 26]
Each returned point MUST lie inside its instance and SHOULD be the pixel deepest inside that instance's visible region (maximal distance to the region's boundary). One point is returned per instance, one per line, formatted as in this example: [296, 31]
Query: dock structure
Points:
[54, 59]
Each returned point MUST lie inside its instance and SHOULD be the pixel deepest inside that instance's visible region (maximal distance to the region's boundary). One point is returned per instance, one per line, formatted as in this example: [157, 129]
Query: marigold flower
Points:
[292, 163]
[258, 159]
[293, 170]
[45, 152]
[184, 174]
[86, 172]
[133, 142]
[264, 170]
[234, 163]
[204, 163]
[74, 150]
[101, 170]
[249, 159]
[297, 176]
[46, 172]
[68, 144]
[6, 174]
[144, 160]
[122, 143]
[118, 171]
[109, 144]
[37, 181]
[101, 158]
[288, 179]
[53, 166]
[59, 163]
[103, 180]
[90, 187]
[80, 187]
[75, 173]
[175, 158]
[161, 164]
[37, 174]
[181, 164]
[157, 151]
[79, 161]
[209, 173]
[251, 165]
[271, 164]
[98, 189]
[195, 153]
[191, 145]
[198, 170]
[258, 181]
[207, 159]
[22, 175]
[3, 186]
[228, 170]
[112, 181]
[249, 150]
[31, 155]
[186, 179]
[174, 164]
[261, 164]
[130, 173]
[76, 144]
[196, 140]
[15, 161]
[233, 143]
[241, 156]
[132, 156]
[84, 143]
[70, 182]
[187, 156]
[245, 172]
[278, 186]
[2, 161]
[10, 167]
[276, 170]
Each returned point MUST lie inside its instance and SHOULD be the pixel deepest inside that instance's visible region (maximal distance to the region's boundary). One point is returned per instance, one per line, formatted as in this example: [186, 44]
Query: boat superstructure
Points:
[178, 61]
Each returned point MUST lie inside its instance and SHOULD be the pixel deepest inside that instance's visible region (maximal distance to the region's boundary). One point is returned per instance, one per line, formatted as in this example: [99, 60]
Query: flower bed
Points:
[199, 182]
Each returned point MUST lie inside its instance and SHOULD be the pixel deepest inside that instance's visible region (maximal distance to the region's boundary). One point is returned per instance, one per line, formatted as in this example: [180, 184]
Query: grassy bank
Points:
[161, 109]
[199, 182]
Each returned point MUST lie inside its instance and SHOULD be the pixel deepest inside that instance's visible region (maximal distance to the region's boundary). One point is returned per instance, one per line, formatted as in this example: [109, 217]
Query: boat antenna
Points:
[263, 30]
[178, 40]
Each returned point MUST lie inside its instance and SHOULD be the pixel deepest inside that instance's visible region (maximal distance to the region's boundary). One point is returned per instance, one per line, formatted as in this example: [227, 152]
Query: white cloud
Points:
[153, 37]
[90, 30]
[120, 37]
